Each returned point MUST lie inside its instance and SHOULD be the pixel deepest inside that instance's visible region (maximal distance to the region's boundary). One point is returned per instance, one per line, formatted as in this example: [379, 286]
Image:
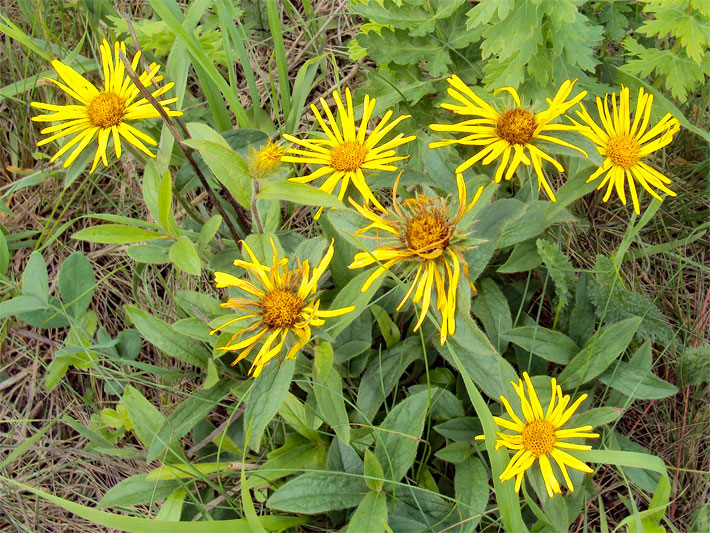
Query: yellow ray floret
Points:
[421, 232]
[102, 113]
[623, 144]
[280, 300]
[348, 150]
[538, 436]
[507, 136]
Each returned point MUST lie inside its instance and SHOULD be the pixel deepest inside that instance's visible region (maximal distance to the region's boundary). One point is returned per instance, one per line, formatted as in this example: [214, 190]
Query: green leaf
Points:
[639, 384]
[492, 309]
[19, 305]
[193, 470]
[374, 475]
[209, 230]
[147, 420]
[116, 234]
[294, 414]
[165, 205]
[397, 438]
[293, 458]
[265, 398]
[298, 193]
[319, 493]
[137, 490]
[228, 167]
[35, 279]
[77, 283]
[456, 452]
[471, 486]
[4, 255]
[185, 416]
[370, 515]
[550, 345]
[560, 270]
[524, 257]
[184, 255]
[418, 17]
[171, 510]
[601, 350]
[328, 388]
[384, 373]
[166, 339]
[352, 294]
[481, 360]
[388, 328]
[694, 367]
[149, 253]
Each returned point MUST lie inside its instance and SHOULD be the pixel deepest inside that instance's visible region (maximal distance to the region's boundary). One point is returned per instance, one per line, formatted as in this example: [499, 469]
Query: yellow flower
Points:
[623, 144]
[508, 133]
[266, 160]
[102, 113]
[346, 152]
[421, 232]
[539, 436]
[280, 301]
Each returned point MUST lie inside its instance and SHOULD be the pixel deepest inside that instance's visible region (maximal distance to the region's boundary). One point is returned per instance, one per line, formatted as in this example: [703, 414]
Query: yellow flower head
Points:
[279, 301]
[539, 436]
[266, 160]
[421, 231]
[623, 144]
[102, 113]
[511, 132]
[347, 151]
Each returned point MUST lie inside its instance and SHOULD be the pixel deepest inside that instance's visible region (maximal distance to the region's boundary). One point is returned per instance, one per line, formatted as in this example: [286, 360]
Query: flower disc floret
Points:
[106, 110]
[539, 437]
[348, 157]
[427, 230]
[281, 308]
[517, 126]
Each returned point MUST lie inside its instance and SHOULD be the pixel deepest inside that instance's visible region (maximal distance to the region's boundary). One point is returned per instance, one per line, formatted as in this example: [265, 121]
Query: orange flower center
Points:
[516, 126]
[623, 151]
[266, 160]
[106, 110]
[539, 437]
[428, 230]
[348, 156]
[280, 308]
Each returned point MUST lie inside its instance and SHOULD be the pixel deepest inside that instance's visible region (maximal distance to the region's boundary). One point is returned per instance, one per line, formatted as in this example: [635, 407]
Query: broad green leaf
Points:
[374, 475]
[595, 417]
[137, 490]
[228, 167]
[349, 295]
[185, 416]
[383, 373]
[482, 361]
[524, 257]
[290, 459]
[171, 510]
[456, 452]
[4, 254]
[76, 283]
[149, 253]
[328, 388]
[370, 515]
[167, 339]
[146, 420]
[550, 345]
[637, 383]
[35, 279]
[397, 438]
[492, 309]
[184, 255]
[472, 492]
[294, 414]
[601, 350]
[20, 304]
[319, 493]
[209, 230]
[298, 193]
[165, 205]
[265, 398]
[116, 234]
[388, 328]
